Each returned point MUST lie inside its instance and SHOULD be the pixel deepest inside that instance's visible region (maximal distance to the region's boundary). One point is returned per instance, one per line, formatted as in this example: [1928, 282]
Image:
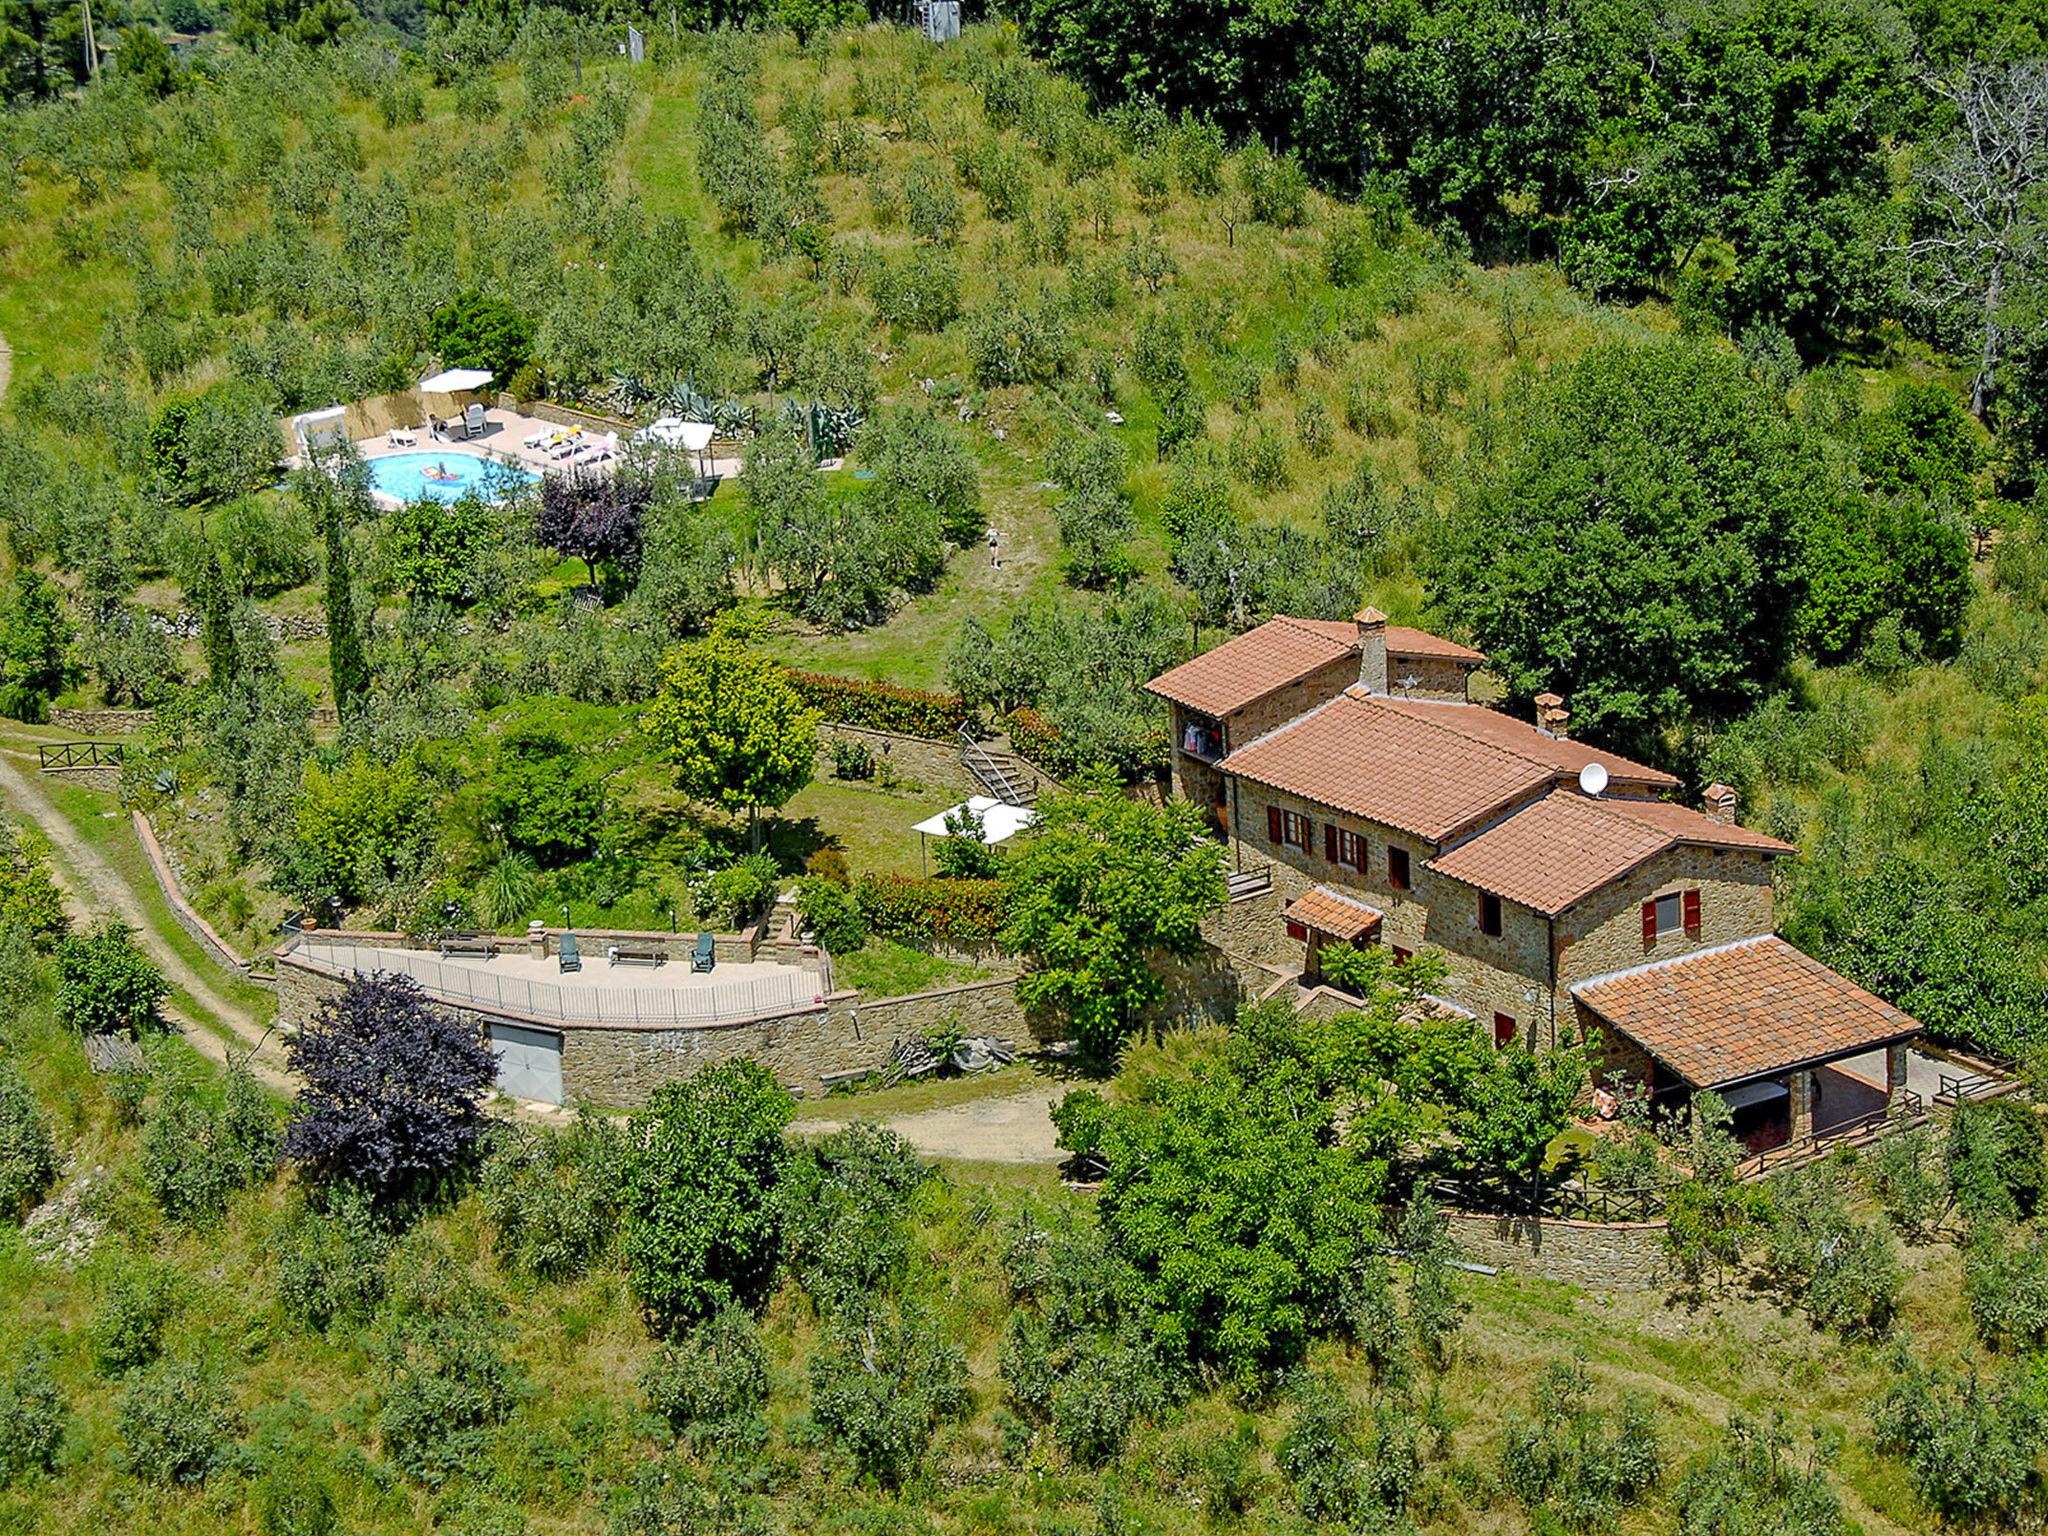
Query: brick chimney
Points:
[1372, 650]
[1720, 802]
[1552, 718]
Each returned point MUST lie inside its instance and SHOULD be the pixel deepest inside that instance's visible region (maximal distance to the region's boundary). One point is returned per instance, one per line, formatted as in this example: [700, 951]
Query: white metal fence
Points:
[704, 1002]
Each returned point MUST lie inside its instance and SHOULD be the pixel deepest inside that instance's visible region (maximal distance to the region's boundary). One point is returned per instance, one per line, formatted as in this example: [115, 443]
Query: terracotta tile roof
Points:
[1552, 853]
[1566, 846]
[1726, 1015]
[1687, 825]
[1401, 640]
[1333, 913]
[1518, 736]
[1363, 756]
[1253, 664]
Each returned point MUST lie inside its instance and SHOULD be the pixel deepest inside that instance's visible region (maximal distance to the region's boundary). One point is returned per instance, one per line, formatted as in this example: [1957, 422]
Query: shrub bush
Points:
[1751, 1483]
[883, 1382]
[1843, 1273]
[28, 1153]
[843, 1203]
[851, 759]
[392, 1089]
[1969, 1443]
[740, 892]
[447, 1386]
[711, 1384]
[330, 1254]
[704, 1156]
[1579, 1462]
[32, 1417]
[1339, 1471]
[554, 1195]
[1905, 1173]
[883, 706]
[105, 982]
[137, 1298]
[2006, 1281]
[923, 911]
[177, 1423]
[194, 1158]
[1994, 1157]
[828, 909]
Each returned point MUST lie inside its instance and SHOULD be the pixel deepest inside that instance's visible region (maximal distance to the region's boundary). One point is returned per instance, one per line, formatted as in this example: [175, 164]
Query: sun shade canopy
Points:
[452, 381]
[694, 436]
[1000, 821]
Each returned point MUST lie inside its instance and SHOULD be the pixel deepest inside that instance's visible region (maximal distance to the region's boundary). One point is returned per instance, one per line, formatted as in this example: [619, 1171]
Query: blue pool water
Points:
[439, 474]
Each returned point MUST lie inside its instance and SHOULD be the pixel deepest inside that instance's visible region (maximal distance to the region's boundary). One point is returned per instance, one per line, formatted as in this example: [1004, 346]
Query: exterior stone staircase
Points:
[1001, 778]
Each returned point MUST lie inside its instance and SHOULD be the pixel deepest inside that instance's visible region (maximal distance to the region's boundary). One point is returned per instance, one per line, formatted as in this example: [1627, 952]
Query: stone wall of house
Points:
[1251, 932]
[1509, 975]
[1600, 1256]
[1283, 704]
[1434, 677]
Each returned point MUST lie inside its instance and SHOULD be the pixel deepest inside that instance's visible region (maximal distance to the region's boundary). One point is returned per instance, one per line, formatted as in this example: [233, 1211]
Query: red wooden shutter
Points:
[1307, 830]
[1650, 922]
[1358, 846]
[1690, 904]
[1273, 825]
[1330, 843]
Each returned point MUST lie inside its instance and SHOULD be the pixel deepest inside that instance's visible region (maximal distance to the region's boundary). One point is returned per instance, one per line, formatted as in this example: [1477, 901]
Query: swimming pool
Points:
[443, 474]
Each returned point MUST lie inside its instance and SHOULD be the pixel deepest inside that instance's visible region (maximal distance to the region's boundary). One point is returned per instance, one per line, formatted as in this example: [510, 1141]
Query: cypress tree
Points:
[216, 624]
[346, 663]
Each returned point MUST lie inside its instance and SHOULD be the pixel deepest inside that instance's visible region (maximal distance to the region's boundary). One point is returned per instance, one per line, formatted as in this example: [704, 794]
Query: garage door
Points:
[529, 1062]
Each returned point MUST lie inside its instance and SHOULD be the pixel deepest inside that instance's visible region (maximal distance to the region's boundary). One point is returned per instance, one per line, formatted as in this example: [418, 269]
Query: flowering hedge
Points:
[883, 706]
[913, 910]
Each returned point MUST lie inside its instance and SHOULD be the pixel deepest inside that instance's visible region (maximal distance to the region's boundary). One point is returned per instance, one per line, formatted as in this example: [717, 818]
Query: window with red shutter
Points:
[1503, 1030]
[1273, 824]
[1649, 922]
[1692, 911]
[1296, 930]
[1397, 867]
[1330, 843]
[1489, 914]
[1358, 851]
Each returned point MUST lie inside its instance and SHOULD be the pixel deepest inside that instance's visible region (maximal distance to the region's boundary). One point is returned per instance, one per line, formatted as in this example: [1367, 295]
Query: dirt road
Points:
[97, 890]
[1016, 1128]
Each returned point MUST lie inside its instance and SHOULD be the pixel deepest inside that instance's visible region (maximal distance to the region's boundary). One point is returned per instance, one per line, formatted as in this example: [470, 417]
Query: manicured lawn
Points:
[885, 968]
[870, 826]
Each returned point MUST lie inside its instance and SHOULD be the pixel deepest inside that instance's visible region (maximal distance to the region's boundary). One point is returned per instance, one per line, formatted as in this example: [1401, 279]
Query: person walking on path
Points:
[994, 557]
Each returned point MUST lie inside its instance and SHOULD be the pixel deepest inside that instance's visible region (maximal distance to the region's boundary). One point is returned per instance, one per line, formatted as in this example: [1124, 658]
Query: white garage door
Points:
[529, 1062]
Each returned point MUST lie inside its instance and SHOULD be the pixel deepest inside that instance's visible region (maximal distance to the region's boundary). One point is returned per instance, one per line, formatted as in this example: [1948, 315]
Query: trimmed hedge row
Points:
[914, 910]
[884, 706]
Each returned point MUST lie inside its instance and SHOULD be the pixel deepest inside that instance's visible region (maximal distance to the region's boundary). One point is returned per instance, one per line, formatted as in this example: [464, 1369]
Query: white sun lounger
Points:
[546, 437]
[568, 446]
[599, 450]
[401, 437]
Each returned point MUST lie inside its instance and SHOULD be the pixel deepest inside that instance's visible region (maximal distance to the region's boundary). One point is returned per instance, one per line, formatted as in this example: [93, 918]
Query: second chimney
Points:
[1372, 650]
[1720, 802]
[1552, 718]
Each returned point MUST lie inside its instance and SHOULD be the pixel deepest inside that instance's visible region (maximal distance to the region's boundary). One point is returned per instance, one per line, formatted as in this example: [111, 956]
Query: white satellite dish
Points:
[1592, 778]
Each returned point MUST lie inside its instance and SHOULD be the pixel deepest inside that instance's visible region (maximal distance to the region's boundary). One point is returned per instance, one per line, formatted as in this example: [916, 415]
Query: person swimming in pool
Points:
[440, 473]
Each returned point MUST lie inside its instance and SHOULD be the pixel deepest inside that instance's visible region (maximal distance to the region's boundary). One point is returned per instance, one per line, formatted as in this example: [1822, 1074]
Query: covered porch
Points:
[1321, 915]
[1801, 1055]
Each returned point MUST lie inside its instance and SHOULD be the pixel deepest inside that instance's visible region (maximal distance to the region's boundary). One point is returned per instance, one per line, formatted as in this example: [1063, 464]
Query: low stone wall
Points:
[187, 625]
[199, 928]
[1599, 1256]
[106, 780]
[123, 722]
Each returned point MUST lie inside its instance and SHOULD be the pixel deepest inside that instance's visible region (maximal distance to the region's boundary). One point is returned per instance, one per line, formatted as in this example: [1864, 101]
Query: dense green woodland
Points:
[1690, 362]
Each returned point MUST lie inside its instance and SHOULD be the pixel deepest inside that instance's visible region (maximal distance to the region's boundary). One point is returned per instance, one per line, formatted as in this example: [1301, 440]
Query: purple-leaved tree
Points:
[393, 1091]
[594, 518]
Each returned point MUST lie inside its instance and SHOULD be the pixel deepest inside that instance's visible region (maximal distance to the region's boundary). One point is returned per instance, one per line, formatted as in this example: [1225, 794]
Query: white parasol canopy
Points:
[454, 381]
[693, 436]
[1000, 821]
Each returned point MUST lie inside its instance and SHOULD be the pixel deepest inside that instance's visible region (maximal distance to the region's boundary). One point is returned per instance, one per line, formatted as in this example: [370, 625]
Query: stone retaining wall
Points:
[619, 1066]
[122, 722]
[1599, 1256]
[105, 779]
[188, 919]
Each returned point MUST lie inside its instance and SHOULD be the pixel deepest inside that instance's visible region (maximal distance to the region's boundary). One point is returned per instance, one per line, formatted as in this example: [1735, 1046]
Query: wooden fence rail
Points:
[56, 756]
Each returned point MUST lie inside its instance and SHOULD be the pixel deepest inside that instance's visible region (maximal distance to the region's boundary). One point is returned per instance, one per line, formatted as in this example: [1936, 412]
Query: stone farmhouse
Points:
[1347, 767]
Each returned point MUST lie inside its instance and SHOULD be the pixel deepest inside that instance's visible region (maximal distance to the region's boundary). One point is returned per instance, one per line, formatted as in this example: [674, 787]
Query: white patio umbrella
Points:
[693, 437]
[455, 381]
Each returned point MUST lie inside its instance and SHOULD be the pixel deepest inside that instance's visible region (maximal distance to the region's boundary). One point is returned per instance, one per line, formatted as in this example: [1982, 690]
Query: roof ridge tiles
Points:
[1686, 958]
